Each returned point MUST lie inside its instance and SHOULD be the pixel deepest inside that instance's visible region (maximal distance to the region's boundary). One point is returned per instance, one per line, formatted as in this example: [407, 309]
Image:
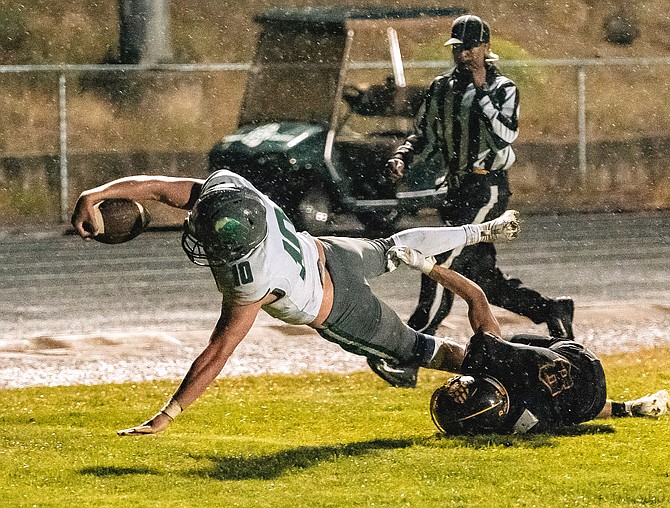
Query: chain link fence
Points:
[594, 133]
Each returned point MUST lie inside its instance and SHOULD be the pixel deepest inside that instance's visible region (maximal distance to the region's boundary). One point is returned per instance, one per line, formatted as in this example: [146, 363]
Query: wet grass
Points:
[320, 440]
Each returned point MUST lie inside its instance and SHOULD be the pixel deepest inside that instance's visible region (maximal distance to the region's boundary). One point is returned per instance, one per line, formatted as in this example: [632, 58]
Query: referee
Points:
[466, 127]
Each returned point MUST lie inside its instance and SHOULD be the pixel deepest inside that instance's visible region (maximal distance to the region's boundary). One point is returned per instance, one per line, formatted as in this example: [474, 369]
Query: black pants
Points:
[480, 198]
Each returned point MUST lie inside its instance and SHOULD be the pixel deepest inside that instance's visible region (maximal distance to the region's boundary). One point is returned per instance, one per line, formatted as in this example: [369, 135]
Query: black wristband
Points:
[619, 409]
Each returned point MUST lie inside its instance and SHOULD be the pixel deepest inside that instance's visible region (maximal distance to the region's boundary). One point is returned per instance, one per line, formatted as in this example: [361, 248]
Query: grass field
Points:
[320, 440]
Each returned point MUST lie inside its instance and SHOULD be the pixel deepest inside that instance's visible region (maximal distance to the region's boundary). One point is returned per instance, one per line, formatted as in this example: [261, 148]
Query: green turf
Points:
[320, 440]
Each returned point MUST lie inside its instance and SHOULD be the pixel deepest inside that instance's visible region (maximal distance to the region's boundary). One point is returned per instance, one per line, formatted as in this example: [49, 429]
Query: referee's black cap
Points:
[470, 31]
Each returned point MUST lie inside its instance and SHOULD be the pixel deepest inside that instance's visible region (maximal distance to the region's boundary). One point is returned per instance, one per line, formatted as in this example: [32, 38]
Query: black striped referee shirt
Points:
[460, 128]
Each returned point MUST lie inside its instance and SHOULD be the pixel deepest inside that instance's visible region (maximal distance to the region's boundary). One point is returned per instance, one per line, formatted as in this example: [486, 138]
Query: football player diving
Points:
[525, 384]
[259, 261]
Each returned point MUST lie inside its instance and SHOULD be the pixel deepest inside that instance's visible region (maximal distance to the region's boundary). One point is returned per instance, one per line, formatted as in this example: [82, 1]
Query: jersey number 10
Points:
[242, 273]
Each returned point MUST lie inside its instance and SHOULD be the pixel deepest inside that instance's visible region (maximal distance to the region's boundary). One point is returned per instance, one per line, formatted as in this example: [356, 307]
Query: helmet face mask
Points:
[469, 405]
[225, 224]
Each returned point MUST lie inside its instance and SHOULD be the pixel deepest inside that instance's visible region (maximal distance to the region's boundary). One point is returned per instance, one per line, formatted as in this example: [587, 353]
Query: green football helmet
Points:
[226, 223]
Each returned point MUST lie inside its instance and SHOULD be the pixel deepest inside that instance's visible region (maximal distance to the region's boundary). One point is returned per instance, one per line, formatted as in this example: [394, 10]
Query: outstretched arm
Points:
[479, 311]
[653, 405]
[233, 325]
[175, 192]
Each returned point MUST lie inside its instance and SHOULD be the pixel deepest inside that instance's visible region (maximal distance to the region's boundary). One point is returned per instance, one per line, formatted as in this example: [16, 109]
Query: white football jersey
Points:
[284, 264]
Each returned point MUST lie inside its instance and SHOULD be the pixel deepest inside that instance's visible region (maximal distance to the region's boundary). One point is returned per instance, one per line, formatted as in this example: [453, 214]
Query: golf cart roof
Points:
[335, 18]
[300, 55]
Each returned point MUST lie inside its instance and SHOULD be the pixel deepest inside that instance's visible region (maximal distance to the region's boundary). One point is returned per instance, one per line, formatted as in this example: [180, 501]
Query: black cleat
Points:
[396, 376]
[560, 313]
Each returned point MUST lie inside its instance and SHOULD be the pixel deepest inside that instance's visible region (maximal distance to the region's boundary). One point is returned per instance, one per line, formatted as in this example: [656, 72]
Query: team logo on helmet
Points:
[226, 223]
[469, 405]
[229, 228]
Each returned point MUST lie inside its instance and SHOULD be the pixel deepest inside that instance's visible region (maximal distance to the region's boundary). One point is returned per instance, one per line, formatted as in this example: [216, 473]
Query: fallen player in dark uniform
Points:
[527, 383]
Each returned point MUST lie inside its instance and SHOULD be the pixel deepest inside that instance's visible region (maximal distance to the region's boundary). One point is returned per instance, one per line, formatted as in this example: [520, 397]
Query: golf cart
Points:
[313, 135]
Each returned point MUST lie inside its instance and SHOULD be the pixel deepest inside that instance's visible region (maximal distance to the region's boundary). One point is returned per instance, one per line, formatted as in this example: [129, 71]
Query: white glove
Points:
[394, 169]
[412, 258]
[655, 404]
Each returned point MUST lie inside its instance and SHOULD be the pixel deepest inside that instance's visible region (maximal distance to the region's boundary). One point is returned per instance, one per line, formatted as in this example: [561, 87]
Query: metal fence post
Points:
[579, 64]
[64, 184]
[581, 115]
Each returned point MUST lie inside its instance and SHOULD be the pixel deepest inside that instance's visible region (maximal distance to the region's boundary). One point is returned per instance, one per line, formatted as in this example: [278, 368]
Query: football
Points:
[119, 220]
